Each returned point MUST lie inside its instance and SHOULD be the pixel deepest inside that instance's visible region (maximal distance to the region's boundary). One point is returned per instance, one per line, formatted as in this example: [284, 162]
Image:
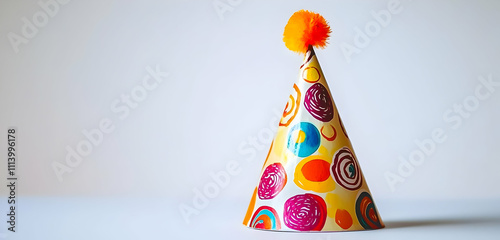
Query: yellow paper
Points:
[311, 179]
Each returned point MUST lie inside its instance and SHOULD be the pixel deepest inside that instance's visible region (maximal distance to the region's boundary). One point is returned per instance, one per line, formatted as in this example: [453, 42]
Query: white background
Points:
[229, 77]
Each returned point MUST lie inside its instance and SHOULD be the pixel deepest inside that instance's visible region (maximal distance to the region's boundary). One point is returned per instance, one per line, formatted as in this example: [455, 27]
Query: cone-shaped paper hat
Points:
[311, 179]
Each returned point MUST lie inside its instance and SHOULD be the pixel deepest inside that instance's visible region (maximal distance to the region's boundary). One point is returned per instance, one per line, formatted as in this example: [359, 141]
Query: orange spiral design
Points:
[290, 113]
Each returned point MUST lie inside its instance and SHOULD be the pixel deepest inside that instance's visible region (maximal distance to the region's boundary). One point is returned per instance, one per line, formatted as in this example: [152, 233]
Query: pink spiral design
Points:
[346, 170]
[272, 181]
[318, 102]
[306, 212]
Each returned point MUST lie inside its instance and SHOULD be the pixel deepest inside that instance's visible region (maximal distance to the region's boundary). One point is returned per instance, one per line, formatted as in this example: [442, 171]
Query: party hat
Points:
[311, 179]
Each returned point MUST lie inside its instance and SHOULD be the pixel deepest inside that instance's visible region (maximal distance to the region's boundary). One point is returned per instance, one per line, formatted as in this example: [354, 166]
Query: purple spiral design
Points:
[272, 181]
[306, 212]
[318, 102]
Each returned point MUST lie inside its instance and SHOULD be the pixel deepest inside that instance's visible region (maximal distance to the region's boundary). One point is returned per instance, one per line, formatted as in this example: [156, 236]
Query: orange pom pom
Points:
[306, 28]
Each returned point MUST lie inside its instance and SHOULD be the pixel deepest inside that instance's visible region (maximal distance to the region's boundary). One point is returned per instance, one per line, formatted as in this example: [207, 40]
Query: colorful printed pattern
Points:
[333, 135]
[313, 173]
[318, 102]
[291, 108]
[303, 139]
[306, 212]
[367, 212]
[327, 191]
[265, 218]
[346, 170]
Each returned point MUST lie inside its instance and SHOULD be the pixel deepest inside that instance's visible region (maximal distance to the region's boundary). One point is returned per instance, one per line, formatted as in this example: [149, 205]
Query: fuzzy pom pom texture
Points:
[304, 29]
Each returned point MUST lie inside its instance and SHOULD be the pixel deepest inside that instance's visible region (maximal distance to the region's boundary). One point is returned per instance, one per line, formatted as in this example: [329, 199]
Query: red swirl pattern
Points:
[346, 170]
[326, 137]
[273, 180]
[291, 108]
[305, 212]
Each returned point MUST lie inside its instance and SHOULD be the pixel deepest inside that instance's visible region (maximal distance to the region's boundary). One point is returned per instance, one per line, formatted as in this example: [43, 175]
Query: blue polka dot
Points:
[310, 143]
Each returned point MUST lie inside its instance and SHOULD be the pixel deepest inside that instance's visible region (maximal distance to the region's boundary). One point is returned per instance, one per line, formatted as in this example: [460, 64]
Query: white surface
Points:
[150, 218]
